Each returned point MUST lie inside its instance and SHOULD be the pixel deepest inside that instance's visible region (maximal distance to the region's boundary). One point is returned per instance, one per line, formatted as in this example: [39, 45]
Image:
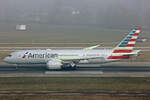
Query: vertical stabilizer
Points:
[126, 46]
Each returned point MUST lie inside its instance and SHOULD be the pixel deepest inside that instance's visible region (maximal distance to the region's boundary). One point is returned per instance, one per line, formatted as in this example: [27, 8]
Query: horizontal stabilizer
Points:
[134, 52]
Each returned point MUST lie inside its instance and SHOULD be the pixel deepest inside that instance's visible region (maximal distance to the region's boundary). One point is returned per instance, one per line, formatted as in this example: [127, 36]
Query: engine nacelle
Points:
[54, 64]
[97, 60]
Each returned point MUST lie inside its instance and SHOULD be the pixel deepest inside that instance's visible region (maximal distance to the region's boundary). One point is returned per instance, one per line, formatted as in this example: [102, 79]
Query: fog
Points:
[102, 13]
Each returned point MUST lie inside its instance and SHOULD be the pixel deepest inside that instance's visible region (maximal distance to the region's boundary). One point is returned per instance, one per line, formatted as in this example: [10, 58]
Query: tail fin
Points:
[126, 46]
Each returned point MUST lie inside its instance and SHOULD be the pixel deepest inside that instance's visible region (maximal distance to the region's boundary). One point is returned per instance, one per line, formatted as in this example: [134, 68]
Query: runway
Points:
[43, 68]
[112, 70]
[77, 93]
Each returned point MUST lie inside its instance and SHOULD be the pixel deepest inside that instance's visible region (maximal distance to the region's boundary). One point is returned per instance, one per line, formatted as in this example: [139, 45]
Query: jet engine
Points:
[54, 64]
[97, 60]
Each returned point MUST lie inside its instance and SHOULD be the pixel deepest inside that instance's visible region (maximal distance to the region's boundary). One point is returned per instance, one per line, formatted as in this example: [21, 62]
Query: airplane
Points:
[69, 58]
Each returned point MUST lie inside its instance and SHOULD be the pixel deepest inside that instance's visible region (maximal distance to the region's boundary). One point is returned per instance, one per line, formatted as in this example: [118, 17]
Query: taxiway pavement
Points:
[122, 69]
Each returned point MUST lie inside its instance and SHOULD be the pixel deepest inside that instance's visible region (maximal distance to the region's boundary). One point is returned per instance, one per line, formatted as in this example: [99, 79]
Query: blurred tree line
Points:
[103, 13]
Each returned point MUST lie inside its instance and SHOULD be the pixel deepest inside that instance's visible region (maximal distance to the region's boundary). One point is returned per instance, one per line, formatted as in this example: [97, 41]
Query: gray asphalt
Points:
[112, 70]
[43, 68]
[76, 93]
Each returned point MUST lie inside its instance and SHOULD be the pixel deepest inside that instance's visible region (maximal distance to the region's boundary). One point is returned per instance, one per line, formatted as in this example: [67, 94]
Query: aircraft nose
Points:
[6, 59]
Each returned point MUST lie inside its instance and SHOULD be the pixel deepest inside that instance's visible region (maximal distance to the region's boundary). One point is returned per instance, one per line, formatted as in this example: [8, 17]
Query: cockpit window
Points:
[9, 55]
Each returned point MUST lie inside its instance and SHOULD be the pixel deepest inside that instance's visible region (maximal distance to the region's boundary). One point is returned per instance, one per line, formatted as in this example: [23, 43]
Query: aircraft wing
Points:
[91, 47]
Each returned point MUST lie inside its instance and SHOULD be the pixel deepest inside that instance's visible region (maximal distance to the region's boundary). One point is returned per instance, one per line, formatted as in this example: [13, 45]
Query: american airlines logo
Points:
[39, 55]
[24, 56]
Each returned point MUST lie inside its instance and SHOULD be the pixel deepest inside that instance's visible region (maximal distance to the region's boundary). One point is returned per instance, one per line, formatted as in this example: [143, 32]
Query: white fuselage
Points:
[57, 59]
[43, 56]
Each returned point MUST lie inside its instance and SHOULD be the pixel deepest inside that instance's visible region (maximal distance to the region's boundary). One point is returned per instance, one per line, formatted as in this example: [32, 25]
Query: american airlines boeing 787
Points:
[58, 59]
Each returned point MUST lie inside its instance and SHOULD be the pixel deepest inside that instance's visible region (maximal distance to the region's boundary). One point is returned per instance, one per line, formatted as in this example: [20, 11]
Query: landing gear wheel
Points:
[75, 67]
[71, 66]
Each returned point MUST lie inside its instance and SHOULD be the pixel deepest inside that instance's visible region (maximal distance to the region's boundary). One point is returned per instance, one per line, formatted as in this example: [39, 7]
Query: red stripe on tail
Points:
[122, 51]
[118, 57]
[133, 40]
[139, 28]
[135, 34]
[130, 45]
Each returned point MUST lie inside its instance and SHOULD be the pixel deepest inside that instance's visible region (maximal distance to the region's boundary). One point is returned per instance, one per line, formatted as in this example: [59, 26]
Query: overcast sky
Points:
[106, 13]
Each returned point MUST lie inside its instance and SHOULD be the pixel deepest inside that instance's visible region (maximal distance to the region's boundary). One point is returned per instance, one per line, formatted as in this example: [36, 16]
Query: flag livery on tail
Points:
[125, 48]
